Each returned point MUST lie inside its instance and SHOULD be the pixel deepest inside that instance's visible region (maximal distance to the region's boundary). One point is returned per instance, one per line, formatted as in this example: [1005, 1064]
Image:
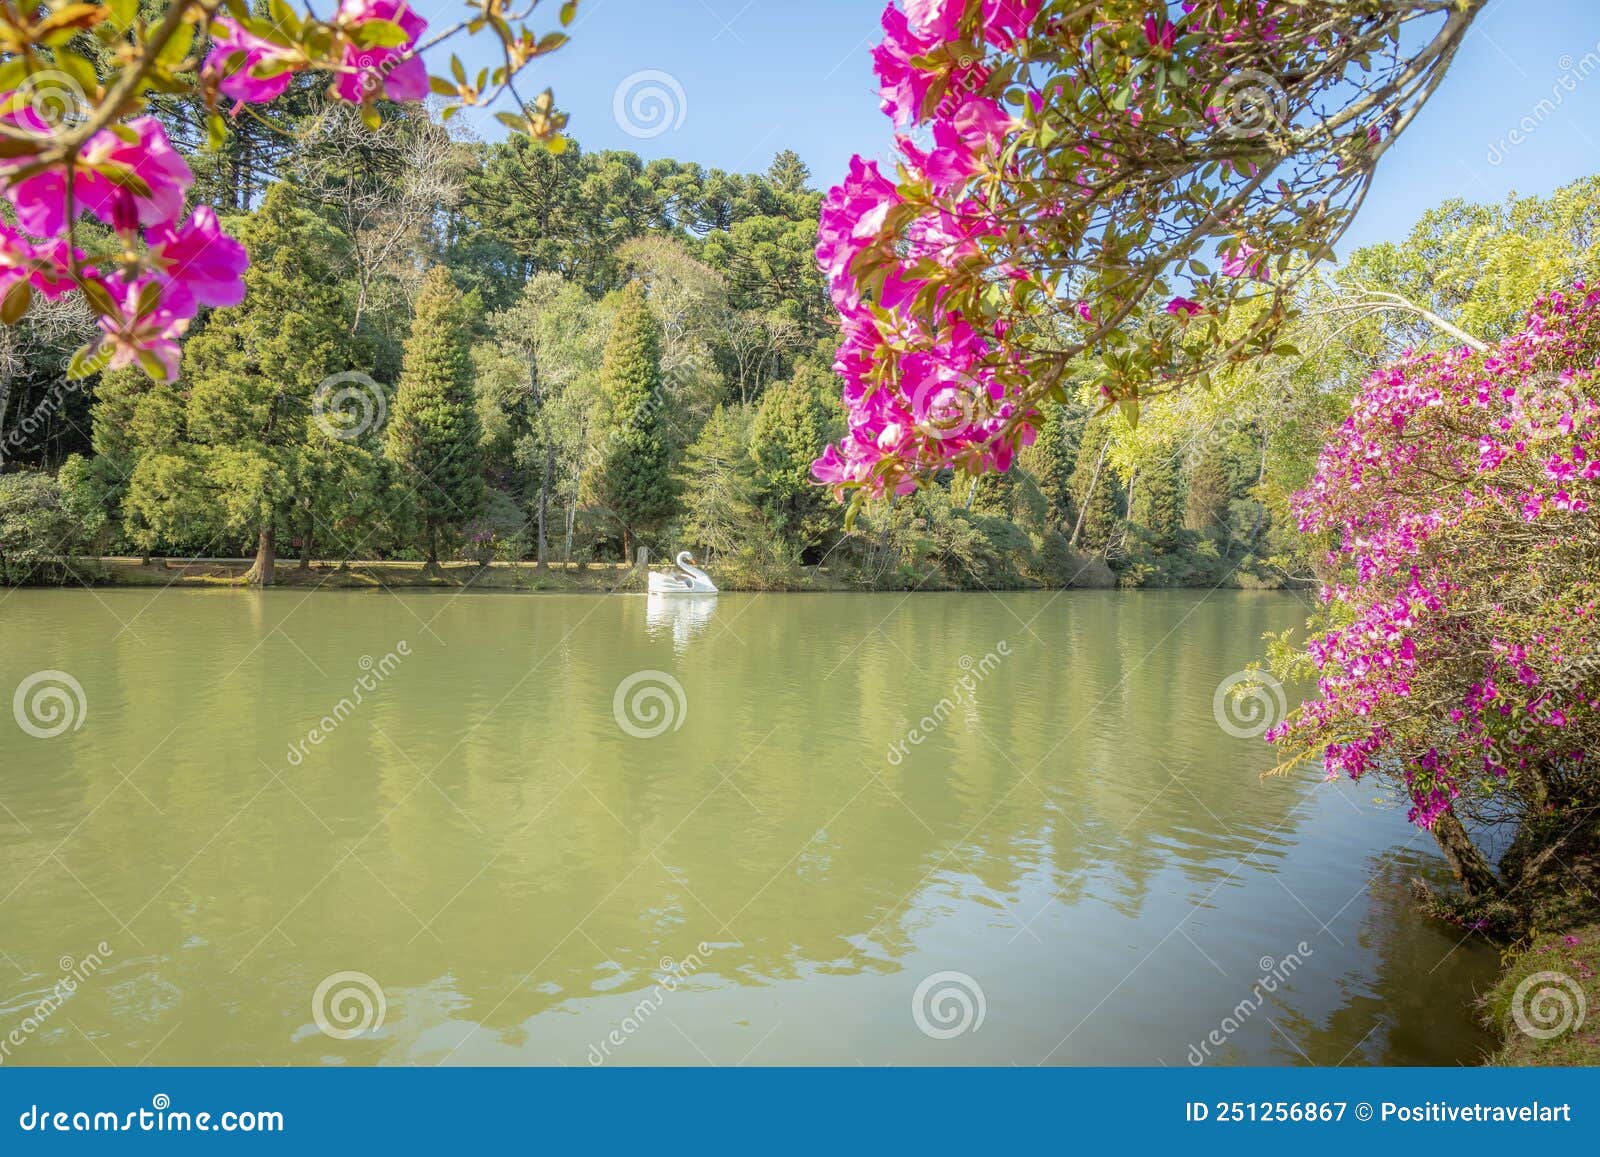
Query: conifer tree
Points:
[226, 459]
[1209, 495]
[434, 432]
[1095, 491]
[634, 480]
[1158, 506]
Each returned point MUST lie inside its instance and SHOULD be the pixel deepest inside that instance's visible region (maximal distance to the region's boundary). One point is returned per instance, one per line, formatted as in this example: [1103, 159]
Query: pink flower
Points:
[144, 330]
[41, 198]
[1246, 262]
[204, 264]
[43, 267]
[398, 73]
[1185, 307]
[235, 55]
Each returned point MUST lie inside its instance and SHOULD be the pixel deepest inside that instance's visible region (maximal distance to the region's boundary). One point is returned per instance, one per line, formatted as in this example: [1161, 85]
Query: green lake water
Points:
[347, 828]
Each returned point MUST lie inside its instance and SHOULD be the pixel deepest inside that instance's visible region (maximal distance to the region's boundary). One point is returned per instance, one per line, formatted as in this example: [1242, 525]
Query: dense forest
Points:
[453, 349]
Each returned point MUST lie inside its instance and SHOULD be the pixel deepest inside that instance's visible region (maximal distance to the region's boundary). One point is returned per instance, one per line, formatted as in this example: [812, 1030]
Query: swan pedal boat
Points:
[687, 579]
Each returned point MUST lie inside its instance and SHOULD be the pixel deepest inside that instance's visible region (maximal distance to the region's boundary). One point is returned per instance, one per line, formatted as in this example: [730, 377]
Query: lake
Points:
[258, 828]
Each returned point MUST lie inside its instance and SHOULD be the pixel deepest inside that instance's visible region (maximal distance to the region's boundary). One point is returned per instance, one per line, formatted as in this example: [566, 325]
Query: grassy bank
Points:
[1552, 972]
[1542, 983]
[599, 578]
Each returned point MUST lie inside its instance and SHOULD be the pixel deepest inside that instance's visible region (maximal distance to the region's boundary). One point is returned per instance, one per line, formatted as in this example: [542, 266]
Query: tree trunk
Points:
[307, 541]
[431, 566]
[544, 505]
[1088, 497]
[572, 522]
[263, 571]
[1469, 864]
[627, 546]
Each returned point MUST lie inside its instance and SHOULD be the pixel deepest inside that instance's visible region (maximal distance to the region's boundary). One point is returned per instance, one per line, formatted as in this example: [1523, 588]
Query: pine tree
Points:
[223, 461]
[720, 512]
[433, 433]
[1209, 495]
[788, 173]
[1051, 460]
[1158, 507]
[634, 480]
[792, 422]
[1095, 490]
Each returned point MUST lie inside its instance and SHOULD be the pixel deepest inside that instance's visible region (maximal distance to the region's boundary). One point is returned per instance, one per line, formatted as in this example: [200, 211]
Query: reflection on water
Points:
[678, 617]
[1065, 830]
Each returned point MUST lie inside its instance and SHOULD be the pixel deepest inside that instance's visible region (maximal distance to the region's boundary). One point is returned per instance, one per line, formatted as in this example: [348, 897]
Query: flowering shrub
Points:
[74, 140]
[1110, 181]
[1462, 653]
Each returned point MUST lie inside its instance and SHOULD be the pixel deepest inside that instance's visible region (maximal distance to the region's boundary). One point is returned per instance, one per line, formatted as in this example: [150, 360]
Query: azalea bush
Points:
[1461, 655]
[77, 138]
[1134, 186]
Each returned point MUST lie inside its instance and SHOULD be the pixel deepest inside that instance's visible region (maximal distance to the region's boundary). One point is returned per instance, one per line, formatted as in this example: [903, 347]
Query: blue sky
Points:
[756, 76]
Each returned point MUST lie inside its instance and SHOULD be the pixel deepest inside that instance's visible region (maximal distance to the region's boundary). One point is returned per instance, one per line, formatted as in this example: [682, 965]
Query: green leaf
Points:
[17, 300]
[99, 298]
[379, 34]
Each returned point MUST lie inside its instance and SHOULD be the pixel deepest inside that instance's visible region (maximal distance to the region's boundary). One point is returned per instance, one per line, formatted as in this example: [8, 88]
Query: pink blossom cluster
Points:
[130, 178]
[929, 266]
[1466, 646]
[920, 387]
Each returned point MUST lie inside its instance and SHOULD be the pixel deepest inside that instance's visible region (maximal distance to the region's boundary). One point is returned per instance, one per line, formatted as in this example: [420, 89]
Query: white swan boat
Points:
[687, 579]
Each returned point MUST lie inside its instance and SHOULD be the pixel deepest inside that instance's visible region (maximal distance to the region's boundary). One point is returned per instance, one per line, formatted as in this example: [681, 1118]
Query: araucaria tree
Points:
[1461, 655]
[434, 432]
[634, 480]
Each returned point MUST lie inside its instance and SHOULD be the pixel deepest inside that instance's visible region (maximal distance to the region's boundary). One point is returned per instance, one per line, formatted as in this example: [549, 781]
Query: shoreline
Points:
[523, 577]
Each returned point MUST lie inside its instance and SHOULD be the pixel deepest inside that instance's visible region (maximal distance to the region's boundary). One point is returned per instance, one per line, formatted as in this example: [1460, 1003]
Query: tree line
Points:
[453, 349]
